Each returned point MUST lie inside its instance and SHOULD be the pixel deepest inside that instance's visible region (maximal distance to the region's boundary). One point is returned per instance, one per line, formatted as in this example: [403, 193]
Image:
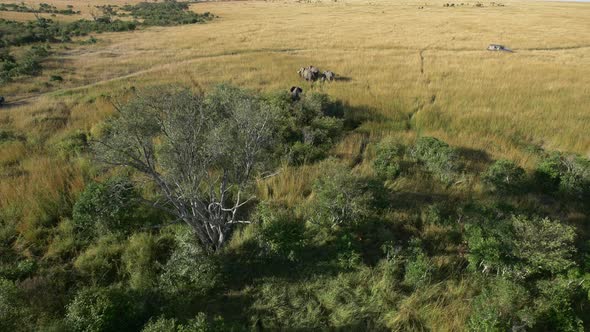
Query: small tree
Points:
[280, 232]
[201, 152]
[438, 157]
[505, 176]
[187, 270]
[387, 159]
[503, 305]
[104, 208]
[543, 245]
[568, 174]
[340, 197]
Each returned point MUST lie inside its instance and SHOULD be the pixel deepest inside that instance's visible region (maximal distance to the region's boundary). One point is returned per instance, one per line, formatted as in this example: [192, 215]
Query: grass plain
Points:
[416, 71]
[407, 68]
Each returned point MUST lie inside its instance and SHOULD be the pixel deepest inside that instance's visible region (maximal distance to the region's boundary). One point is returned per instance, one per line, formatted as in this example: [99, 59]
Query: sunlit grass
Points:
[404, 72]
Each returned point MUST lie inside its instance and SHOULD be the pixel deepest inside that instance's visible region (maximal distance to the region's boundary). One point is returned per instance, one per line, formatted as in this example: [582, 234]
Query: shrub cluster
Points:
[438, 157]
[280, 233]
[351, 254]
[569, 175]
[14, 33]
[505, 176]
[106, 207]
[28, 65]
[43, 8]
[340, 197]
[311, 126]
[388, 158]
[169, 12]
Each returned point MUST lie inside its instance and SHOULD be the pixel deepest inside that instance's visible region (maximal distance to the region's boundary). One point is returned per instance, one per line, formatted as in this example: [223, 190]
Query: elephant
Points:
[295, 92]
[328, 76]
[309, 73]
[315, 72]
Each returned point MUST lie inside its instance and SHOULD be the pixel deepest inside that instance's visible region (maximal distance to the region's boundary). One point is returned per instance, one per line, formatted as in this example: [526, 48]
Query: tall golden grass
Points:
[406, 71]
[412, 71]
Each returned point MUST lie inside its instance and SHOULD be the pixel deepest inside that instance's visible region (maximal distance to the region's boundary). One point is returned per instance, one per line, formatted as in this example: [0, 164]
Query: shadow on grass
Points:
[473, 160]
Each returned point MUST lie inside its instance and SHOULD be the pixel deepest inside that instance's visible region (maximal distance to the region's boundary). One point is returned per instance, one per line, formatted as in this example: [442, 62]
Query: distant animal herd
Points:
[312, 74]
[477, 4]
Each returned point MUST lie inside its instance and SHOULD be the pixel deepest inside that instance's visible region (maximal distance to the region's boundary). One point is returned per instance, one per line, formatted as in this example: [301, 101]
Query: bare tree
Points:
[201, 152]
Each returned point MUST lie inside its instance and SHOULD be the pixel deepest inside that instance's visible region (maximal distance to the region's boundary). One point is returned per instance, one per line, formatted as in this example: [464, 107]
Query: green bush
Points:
[348, 252]
[543, 245]
[311, 127]
[281, 233]
[161, 324]
[27, 65]
[438, 157]
[505, 176]
[419, 267]
[340, 198]
[490, 246]
[568, 175]
[104, 310]
[548, 172]
[9, 136]
[105, 208]
[559, 305]
[199, 323]
[189, 270]
[503, 305]
[388, 157]
[301, 153]
[575, 181]
[521, 246]
[12, 311]
[64, 243]
[93, 310]
[43, 8]
[166, 13]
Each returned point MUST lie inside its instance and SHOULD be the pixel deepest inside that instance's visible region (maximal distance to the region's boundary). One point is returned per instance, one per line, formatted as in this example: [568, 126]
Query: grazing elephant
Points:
[315, 72]
[308, 75]
[328, 76]
[295, 92]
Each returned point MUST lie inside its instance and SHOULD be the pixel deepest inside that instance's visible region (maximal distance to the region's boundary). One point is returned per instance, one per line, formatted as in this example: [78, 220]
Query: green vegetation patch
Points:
[43, 8]
[165, 13]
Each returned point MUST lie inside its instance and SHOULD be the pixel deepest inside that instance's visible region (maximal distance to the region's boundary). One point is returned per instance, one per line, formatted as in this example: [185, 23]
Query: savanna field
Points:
[156, 174]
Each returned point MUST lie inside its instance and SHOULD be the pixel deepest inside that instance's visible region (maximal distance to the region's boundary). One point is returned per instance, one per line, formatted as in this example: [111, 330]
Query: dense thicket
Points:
[165, 13]
[360, 250]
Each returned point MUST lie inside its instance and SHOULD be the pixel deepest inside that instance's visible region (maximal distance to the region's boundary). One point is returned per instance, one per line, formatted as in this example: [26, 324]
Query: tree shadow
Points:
[343, 79]
[8, 105]
[355, 116]
[473, 160]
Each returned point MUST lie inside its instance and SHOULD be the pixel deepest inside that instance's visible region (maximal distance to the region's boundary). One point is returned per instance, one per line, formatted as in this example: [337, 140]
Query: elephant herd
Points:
[312, 74]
